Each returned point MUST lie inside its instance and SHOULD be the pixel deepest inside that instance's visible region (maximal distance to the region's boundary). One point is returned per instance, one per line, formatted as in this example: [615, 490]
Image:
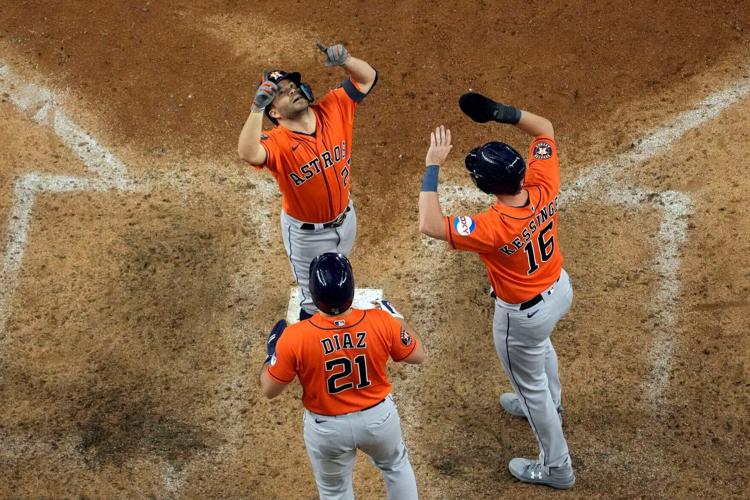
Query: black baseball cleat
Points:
[303, 315]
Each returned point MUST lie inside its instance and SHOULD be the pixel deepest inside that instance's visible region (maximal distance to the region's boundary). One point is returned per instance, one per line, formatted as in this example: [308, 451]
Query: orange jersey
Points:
[313, 170]
[519, 246]
[341, 360]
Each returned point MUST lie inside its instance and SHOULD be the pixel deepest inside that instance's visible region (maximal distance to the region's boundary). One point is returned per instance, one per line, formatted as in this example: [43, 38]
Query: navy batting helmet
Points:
[496, 168]
[277, 76]
[332, 283]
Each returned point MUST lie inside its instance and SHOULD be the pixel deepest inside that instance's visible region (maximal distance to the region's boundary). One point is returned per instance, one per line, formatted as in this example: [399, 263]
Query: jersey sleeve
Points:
[273, 151]
[473, 234]
[283, 366]
[344, 99]
[544, 164]
[402, 344]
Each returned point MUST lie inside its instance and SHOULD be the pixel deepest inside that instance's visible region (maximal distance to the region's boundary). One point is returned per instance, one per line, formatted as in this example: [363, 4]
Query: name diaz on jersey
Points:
[345, 341]
[532, 227]
[312, 167]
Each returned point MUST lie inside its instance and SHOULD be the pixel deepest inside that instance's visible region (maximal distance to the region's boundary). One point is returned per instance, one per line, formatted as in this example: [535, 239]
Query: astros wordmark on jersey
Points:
[312, 170]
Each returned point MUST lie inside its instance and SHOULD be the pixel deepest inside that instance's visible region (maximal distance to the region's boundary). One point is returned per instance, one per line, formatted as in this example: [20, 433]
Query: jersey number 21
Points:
[346, 363]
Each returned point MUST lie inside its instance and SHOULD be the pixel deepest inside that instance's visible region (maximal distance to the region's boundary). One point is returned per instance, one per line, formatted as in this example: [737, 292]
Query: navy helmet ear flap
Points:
[307, 92]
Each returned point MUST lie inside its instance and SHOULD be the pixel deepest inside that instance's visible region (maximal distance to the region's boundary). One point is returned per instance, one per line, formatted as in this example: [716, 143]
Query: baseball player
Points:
[309, 153]
[340, 356]
[516, 238]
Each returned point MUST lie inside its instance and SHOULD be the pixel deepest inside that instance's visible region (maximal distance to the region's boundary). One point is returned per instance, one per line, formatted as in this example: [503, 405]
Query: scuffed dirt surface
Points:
[134, 336]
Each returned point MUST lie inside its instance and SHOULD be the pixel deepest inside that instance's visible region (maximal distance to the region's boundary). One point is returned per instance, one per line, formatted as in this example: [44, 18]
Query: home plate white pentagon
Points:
[363, 298]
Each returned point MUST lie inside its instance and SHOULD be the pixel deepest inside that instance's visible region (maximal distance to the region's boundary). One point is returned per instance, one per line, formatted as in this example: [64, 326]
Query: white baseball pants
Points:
[522, 341]
[332, 444]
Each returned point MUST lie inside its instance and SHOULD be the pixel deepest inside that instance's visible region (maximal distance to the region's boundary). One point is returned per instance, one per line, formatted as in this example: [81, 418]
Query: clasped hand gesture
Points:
[440, 146]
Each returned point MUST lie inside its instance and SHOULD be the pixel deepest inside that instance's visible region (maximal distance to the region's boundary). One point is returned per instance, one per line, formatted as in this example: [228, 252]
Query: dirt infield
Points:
[143, 264]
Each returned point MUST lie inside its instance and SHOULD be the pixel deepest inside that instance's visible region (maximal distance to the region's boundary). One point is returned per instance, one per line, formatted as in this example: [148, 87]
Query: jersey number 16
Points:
[546, 248]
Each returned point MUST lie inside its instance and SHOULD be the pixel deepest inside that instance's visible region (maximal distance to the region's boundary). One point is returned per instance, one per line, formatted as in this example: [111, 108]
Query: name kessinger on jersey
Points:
[532, 227]
[312, 167]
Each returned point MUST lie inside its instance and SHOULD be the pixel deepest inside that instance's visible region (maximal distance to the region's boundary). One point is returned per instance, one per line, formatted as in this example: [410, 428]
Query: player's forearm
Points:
[361, 73]
[535, 125]
[269, 388]
[248, 146]
[431, 215]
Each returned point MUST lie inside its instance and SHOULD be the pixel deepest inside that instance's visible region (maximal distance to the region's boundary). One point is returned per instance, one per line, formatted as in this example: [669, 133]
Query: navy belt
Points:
[373, 406]
[355, 411]
[307, 226]
[529, 303]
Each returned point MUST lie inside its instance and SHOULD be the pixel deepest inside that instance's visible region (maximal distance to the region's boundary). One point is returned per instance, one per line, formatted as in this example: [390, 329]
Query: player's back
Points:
[341, 360]
[519, 245]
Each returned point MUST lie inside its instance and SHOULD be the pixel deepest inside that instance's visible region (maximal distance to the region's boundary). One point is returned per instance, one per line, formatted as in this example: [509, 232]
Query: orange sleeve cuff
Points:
[408, 354]
[448, 231]
[278, 379]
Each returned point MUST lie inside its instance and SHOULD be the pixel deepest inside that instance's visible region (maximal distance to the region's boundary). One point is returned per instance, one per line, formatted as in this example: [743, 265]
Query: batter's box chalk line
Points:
[598, 182]
[108, 172]
[363, 299]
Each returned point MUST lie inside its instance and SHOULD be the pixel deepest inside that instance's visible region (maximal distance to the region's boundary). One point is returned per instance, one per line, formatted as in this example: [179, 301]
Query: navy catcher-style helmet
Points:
[277, 76]
[332, 283]
[496, 168]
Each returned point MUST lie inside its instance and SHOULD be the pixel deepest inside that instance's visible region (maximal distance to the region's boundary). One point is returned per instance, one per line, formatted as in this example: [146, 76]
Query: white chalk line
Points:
[109, 173]
[675, 207]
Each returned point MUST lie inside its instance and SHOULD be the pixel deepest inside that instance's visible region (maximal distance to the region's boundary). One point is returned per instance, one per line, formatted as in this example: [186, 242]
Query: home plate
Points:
[363, 298]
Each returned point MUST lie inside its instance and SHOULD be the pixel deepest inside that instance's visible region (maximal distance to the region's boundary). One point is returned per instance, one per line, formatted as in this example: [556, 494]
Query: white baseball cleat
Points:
[512, 404]
[532, 471]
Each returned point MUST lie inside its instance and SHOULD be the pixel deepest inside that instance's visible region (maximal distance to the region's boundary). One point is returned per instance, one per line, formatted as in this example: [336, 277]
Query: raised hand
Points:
[440, 146]
[336, 55]
[265, 94]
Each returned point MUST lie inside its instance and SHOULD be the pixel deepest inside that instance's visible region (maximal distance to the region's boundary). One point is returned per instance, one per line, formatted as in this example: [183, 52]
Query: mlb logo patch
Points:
[339, 322]
[464, 225]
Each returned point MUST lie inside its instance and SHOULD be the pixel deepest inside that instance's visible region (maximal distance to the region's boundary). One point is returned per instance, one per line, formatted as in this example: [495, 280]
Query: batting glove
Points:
[273, 338]
[265, 94]
[336, 55]
[386, 306]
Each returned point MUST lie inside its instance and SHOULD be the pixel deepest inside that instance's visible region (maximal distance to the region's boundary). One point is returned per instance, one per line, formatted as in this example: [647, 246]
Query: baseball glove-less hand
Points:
[482, 109]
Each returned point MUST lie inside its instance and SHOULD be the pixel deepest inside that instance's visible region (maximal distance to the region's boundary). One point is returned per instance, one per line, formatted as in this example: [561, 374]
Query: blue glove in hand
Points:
[273, 338]
[386, 305]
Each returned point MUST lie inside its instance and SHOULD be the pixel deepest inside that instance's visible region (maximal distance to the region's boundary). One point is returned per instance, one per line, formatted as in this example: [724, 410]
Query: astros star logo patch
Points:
[542, 151]
[406, 338]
